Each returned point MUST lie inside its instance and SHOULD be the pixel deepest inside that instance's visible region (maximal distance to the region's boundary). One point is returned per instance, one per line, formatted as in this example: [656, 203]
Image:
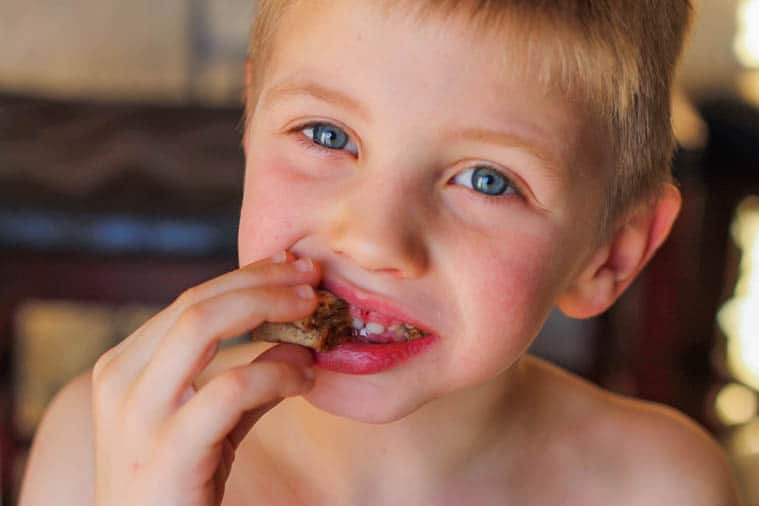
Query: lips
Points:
[370, 354]
[376, 316]
[360, 358]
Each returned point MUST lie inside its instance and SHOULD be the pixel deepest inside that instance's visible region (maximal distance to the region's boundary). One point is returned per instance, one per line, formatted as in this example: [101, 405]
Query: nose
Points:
[380, 229]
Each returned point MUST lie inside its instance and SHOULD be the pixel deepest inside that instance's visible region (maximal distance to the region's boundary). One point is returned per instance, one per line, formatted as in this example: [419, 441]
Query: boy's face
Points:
[459, 188]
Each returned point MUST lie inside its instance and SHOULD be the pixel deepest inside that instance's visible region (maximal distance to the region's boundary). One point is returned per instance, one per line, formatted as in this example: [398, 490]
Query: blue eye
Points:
[330, 137]
[486, 181]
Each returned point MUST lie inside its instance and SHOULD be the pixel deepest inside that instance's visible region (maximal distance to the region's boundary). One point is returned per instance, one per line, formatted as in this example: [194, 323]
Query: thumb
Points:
[291, 353]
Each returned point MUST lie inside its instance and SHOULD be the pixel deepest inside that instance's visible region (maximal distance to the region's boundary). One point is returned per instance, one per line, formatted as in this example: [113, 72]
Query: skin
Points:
[470, 421]
[390, 220]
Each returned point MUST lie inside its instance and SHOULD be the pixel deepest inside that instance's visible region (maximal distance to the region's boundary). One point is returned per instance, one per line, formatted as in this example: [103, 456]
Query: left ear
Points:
[618, 261]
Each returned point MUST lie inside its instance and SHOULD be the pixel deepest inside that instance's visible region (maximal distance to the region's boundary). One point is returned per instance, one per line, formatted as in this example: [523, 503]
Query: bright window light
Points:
[747, 37]
[736, 404]
[739, 317]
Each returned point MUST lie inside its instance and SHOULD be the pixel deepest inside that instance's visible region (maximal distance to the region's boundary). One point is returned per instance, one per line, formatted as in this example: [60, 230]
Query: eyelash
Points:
[311, 145]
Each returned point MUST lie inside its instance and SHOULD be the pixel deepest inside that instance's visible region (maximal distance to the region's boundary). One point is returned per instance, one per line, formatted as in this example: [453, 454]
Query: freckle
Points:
[135, 467]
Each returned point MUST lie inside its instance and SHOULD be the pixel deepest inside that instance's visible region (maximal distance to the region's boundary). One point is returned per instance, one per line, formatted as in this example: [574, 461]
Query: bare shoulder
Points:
[670, 458]
[60, 468]
[641, 453]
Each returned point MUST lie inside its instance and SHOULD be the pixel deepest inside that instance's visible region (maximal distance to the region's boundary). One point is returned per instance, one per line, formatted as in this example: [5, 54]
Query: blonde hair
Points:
[617, 56]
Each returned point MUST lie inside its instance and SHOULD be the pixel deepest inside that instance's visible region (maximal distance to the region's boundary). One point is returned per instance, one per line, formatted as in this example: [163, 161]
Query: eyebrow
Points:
[336, 97]
[552, 163]
[310, 88]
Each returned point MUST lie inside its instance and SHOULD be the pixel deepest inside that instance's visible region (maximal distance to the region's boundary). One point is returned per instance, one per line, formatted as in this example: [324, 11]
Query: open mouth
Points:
[360, 325]
[351, 323]
[338, 322]
[371, 327]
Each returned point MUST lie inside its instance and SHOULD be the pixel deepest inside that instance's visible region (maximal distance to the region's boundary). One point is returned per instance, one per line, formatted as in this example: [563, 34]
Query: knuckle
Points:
[104, 369]
[280, 371]
[268, 377]
[193, 318]
[232, 387]
[188, 297]
[103, 386]
[274, 376]
[102, 366]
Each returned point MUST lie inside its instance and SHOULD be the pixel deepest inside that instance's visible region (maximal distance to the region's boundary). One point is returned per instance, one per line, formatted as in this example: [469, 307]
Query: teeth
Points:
[377, 333]
[374, 328]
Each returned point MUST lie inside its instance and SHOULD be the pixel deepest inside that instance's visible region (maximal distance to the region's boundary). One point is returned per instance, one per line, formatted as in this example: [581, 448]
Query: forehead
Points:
[440, 71]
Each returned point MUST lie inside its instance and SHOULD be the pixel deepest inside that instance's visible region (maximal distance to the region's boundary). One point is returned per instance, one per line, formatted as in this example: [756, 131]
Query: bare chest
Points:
[534, 487]
[571, 495]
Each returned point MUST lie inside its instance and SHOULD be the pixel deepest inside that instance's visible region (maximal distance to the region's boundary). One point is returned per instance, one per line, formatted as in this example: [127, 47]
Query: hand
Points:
[157, 440]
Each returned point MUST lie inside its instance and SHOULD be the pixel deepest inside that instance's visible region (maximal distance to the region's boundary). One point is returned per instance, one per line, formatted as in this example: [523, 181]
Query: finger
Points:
[291, 353]
[227, 458]
[190, 344]
[247, 421]
[282, 270]
[218, 407]
[132, 354]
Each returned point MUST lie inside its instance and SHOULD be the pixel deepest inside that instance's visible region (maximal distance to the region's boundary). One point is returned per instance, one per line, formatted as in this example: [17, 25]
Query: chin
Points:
[361, 399]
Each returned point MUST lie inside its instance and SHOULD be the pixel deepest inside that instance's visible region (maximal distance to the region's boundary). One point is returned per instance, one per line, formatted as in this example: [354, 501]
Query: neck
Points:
[443, 440]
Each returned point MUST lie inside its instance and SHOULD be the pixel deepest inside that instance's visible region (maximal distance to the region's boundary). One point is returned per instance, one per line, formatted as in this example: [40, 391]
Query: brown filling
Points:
[330, 325]
[333, 314]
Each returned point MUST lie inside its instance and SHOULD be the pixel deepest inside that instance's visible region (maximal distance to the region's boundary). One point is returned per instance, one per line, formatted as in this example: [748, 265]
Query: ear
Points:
[617, 262]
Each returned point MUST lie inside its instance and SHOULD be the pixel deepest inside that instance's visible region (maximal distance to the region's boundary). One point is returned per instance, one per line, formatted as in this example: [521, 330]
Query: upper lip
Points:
[373, 302]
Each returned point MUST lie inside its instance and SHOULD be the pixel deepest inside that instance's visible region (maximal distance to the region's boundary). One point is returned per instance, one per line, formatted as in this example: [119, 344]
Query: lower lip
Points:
[361, 358]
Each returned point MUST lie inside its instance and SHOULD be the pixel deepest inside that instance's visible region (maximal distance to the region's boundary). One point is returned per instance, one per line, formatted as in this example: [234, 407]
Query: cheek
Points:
[273, 214]
[509, 293]
[515, 291]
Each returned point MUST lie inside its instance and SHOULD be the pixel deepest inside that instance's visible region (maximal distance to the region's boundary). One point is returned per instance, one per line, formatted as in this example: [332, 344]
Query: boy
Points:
[459, 166]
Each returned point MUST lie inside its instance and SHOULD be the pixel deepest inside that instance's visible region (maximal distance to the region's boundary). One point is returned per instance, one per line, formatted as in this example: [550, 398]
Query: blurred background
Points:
[120, 186]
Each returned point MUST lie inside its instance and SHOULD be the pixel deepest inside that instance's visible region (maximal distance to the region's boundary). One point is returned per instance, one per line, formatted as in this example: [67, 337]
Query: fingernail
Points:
[304, 265]
[305, 291]
[279, 258]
